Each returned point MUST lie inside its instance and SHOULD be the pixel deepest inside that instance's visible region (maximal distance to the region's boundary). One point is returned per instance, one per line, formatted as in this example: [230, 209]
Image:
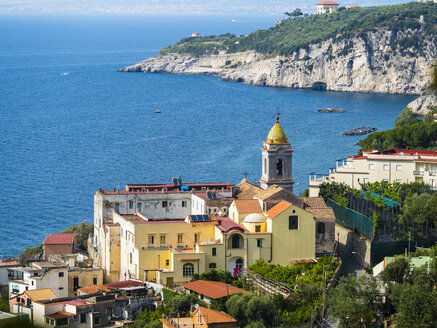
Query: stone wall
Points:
[354, 245]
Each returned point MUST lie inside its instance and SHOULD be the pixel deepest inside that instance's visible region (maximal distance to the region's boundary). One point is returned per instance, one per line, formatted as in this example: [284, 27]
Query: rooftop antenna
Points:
[277, 113]
[245, 174]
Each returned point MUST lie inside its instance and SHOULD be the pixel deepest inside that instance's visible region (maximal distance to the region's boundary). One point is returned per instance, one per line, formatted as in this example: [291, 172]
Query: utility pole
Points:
[324, 292]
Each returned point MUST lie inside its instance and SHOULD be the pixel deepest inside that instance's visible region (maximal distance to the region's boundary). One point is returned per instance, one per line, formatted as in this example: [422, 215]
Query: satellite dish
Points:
[196, 306]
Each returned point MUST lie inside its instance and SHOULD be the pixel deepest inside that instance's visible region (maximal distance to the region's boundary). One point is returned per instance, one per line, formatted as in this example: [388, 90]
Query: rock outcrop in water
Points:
[360, 131]
[422, 104]
[368, 62]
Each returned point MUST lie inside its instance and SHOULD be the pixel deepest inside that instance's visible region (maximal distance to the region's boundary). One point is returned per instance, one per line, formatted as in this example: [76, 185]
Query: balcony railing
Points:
[432, 173]
[420, 173]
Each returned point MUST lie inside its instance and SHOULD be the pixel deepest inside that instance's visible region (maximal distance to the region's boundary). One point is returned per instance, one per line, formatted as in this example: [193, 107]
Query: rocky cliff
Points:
[423, 104]
[379, 61]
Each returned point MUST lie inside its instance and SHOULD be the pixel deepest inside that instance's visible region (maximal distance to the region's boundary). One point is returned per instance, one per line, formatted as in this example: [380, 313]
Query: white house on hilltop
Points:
[327, 7]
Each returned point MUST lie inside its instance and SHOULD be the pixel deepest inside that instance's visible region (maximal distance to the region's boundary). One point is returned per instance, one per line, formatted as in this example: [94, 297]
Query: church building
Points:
[167, 239]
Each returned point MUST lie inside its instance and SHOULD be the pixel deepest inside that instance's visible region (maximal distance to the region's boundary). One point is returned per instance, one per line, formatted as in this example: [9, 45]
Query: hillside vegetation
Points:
[290, 35]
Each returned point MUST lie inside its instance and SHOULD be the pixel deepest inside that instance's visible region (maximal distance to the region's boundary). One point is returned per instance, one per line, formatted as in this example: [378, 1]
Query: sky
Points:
[179, 7]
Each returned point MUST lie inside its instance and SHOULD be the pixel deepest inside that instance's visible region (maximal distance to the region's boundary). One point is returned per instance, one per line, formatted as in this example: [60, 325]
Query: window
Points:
[265, 165]
[151, 239]
[224, 209]
[236, 241]
[75, 283]
[196, 237]
[164, 203]
[131, 204]
[109, 312]
[139, 207]
[117, 207]
[386, 167]
[162, 240]
[239, 263]
[398, 167]
[212, 265]
[61, 288]
[167, 262]
[130, 258]
[214, 251]
[371, 166]
[61, 274]
[47, 321]
[96, 321]
[83, 318]
[257, 228]
[209, 210]
[33, 282]
[29, 302]
[180, 238]
[385, 180]
[320, 228]
[398, 181]
[293, 222]
[94, 281]
[188, 270]
[365, 180]
[279, 168]
[184, 203]
[259, 243]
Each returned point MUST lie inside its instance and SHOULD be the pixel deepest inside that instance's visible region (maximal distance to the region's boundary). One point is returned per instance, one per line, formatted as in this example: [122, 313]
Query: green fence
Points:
[352, 220]
[381, 250]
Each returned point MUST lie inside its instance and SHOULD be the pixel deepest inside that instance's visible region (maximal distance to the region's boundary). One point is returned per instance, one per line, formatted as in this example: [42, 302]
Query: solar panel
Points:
[200, 218]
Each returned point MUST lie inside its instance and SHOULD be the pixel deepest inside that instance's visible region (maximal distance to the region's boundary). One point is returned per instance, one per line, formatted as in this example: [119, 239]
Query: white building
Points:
[393, 165]
[155, 201]
[39, 275]
[327, 7]
[4, 267]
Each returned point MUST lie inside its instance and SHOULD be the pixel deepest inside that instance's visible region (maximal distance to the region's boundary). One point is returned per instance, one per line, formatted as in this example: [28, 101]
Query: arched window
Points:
[279, 168]
[239, 263]
[265, 165]
[320, 228]
[236, 241]
[188, 270]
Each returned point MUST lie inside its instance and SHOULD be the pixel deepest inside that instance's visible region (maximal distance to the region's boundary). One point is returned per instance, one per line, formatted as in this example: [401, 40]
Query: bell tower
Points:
[277, 159]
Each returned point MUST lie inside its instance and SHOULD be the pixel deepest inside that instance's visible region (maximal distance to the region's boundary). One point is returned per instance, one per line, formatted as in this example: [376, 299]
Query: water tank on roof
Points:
[185, 188]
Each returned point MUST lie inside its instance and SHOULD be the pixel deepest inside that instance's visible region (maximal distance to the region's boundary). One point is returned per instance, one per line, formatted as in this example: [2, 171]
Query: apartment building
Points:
[392, 165]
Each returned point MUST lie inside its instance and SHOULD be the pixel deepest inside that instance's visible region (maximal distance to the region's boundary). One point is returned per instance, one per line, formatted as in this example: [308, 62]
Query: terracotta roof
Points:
[227, 225]
[405, 152]
[60, 315]
[212, 289]
[317, 202]
[328, 3]
[325, 213]
[76, 302]
[278, 209]
[59, 238]
[247, 206]
[41, 294]
[247, 190]
[11, 263]
[212, 316]
[123, 284]
[93, 289]
[270, 191]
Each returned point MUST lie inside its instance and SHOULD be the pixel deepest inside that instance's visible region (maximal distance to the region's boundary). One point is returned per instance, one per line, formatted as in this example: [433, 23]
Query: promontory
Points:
[384, 49]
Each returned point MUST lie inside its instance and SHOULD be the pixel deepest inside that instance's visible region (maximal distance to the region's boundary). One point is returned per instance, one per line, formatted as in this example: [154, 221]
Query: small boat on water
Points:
[157, 111]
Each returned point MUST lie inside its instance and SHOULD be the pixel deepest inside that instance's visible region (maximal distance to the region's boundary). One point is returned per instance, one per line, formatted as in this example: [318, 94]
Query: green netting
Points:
[390, 203]
[381, 250]
[351, 219]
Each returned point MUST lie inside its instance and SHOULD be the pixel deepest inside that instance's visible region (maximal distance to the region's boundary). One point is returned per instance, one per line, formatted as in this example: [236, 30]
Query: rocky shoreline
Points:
[365, 63]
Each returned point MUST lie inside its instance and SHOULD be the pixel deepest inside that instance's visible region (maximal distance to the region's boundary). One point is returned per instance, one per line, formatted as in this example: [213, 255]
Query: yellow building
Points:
[260, 224]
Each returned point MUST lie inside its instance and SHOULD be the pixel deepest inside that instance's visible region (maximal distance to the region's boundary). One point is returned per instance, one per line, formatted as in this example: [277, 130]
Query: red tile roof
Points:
[60, 238]
[93, 289]
[247, 206]
[406, 152]
[212, 316]
[213, 289]
[328, 3]
[278, 209]
[60, 315]
[76, 302]
[11, 263]
[123, 284]
[227, 225]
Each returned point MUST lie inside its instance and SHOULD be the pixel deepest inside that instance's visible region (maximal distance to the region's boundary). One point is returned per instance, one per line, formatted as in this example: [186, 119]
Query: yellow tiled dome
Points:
[277, 134]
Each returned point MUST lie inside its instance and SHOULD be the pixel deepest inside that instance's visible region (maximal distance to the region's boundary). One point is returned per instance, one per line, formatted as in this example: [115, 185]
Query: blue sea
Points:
[70, 123]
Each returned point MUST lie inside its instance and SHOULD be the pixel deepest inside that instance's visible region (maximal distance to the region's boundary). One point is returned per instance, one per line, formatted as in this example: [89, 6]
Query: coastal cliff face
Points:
[423, 104]
[379, 61]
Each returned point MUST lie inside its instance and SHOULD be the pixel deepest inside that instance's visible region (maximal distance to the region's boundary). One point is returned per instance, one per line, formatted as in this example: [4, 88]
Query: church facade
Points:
[249, 223]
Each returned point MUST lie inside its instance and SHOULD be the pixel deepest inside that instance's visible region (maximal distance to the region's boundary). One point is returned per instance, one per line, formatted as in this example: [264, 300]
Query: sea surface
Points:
[70, 123]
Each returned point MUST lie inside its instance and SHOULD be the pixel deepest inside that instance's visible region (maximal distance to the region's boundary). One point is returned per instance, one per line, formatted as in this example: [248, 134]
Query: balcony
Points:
[432, 173]
[418, 173]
